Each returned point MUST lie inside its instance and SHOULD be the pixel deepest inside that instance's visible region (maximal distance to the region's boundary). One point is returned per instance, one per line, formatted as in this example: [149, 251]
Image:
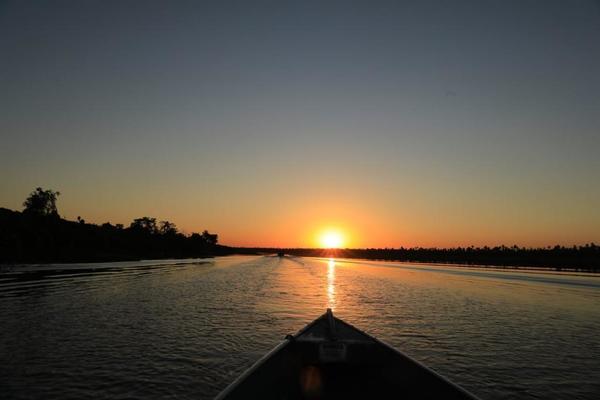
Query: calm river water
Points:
[156, 330]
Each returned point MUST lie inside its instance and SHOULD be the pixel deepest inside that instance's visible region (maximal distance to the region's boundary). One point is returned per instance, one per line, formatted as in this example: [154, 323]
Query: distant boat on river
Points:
[331, 359]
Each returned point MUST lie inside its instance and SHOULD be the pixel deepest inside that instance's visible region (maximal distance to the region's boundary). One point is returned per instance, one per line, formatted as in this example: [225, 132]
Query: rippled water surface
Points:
[157, 330]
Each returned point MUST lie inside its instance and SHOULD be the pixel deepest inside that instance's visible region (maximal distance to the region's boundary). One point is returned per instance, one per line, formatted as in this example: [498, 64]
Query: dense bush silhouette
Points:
[30, 238]
[41, 202]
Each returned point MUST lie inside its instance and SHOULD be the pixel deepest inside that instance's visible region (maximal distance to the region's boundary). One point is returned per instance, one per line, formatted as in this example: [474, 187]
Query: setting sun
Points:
[331, 240]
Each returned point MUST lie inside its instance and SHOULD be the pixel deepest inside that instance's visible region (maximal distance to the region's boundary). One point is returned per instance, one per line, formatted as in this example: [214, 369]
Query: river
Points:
[185, 329]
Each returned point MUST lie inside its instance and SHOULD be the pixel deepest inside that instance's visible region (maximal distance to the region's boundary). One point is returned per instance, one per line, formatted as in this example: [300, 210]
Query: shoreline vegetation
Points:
[553, 258]
[39, 235]
[36, 239]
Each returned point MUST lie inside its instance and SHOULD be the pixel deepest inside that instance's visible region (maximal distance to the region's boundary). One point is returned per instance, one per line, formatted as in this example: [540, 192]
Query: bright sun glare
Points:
[332, 240]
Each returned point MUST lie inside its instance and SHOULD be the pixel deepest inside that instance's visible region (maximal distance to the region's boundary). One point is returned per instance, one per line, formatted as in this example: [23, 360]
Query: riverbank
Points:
[29, 238]
[584, 258]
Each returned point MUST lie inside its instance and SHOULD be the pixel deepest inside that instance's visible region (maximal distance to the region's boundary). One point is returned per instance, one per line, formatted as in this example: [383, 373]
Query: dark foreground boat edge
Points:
[330, 358]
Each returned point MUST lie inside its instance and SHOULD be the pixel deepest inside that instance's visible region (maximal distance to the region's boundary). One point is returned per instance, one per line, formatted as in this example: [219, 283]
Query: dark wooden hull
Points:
[331, 359]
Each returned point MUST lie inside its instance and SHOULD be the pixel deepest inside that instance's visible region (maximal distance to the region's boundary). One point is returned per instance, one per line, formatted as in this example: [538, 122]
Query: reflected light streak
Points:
[331, 283]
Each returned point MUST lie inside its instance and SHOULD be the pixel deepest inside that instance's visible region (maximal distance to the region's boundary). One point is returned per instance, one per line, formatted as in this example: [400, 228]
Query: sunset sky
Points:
[394, 123]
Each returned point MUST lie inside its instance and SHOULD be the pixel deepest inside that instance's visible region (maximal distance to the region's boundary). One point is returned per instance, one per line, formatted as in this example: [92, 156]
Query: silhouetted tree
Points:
[196, 238]
[144, 224]
[210, 238]
[41, 202]
[167, 228]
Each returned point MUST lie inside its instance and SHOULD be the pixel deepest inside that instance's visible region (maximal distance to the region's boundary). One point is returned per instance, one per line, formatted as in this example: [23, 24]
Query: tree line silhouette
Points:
[575, 258]
[40, 235]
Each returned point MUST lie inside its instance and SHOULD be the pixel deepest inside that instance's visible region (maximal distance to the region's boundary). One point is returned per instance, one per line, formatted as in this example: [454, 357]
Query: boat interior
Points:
[330, 359]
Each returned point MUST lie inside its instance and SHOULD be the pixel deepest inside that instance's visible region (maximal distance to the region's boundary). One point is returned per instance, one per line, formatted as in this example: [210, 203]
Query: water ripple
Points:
[186, 329]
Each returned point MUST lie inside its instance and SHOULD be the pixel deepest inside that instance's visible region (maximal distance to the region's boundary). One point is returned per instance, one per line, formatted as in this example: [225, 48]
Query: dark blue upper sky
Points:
[430, 122]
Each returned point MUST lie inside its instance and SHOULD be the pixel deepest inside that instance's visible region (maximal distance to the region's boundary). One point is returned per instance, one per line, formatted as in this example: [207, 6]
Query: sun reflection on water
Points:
[331, 283]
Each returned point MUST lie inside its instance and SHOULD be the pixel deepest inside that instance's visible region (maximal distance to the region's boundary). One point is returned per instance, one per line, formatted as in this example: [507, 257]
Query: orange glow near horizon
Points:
[301, 219]
[331, 239]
